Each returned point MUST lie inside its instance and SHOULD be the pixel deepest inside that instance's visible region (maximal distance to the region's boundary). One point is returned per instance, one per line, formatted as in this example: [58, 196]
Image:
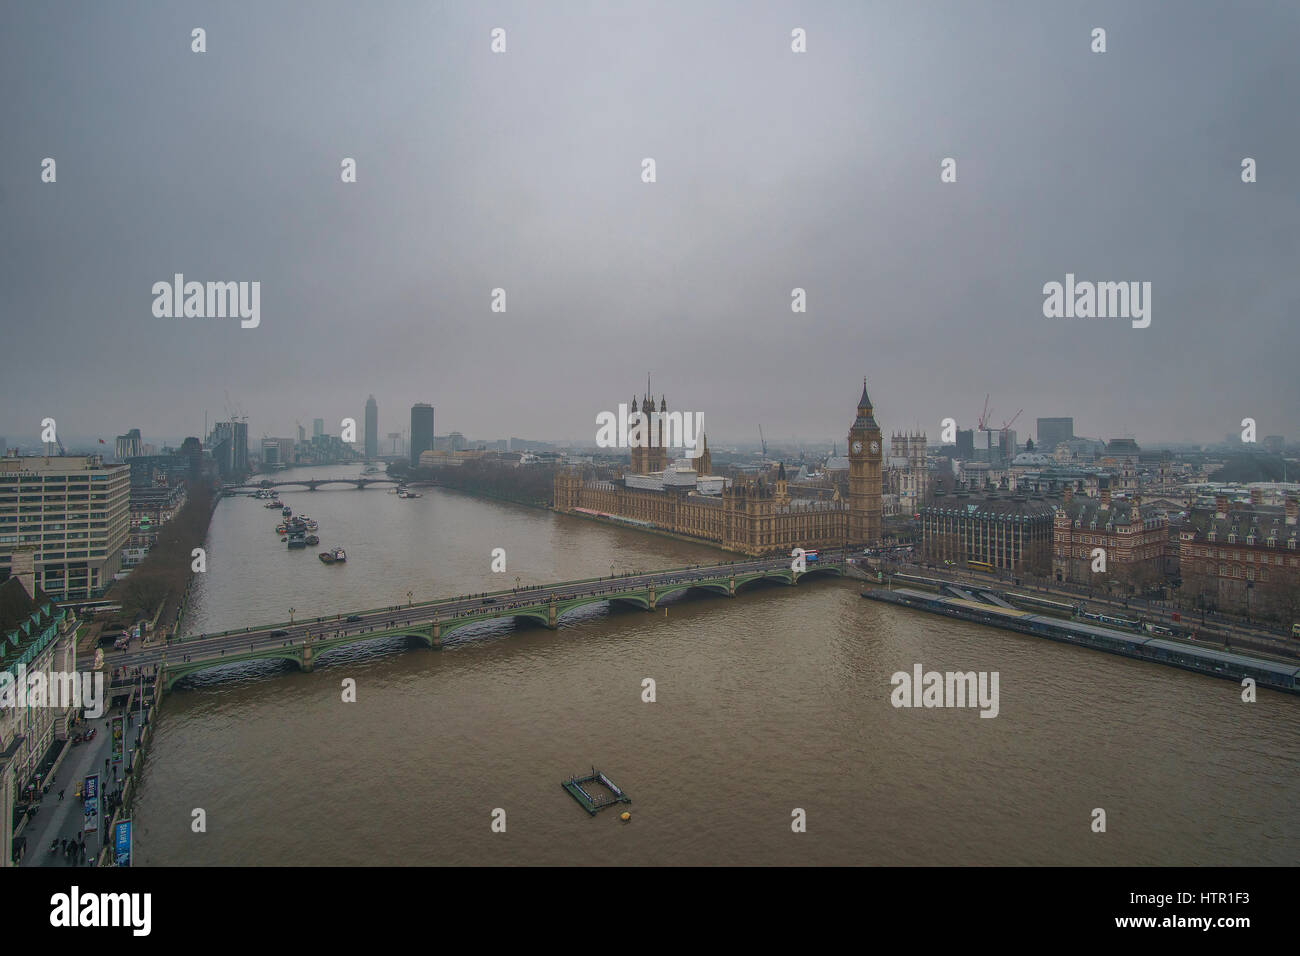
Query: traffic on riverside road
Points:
[1166, 614]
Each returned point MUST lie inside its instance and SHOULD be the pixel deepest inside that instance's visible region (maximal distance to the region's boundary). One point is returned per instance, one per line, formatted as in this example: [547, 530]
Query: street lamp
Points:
[409, 598]
[291, 610]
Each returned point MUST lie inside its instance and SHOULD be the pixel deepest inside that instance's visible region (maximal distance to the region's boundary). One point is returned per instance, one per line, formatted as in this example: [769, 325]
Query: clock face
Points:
[857, 447]
[874, 448]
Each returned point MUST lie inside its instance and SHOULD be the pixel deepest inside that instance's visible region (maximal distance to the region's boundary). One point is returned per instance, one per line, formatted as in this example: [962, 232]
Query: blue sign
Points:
[122, 843]
[90, 793]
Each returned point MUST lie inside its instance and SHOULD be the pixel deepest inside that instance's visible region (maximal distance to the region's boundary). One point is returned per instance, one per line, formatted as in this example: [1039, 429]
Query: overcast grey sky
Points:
[522, 170]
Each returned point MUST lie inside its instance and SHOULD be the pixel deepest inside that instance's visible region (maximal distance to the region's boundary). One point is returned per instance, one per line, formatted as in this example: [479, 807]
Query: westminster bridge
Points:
[304, 640]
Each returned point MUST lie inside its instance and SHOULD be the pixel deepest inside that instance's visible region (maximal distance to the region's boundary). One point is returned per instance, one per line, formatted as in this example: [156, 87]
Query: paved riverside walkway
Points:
[57, 819]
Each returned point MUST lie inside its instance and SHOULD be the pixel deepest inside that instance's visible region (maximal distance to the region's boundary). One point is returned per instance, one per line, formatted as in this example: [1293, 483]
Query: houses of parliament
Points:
[750, 516]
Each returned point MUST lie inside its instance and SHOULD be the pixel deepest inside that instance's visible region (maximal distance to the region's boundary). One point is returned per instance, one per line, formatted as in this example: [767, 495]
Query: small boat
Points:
[286, 511]
[337, 556]
[282, 528]
[297, 540]
[313, 540]
[412, 494]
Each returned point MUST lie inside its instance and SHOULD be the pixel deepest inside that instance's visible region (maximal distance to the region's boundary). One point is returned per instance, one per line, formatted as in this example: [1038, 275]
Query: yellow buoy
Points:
[625, 816]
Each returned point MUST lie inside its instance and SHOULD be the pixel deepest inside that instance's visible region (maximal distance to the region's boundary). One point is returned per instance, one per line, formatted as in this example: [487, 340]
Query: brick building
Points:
[1244, 559]
[1134, 536]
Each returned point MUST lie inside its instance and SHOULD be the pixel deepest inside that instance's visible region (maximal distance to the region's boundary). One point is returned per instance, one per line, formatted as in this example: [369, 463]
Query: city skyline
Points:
[737, 435]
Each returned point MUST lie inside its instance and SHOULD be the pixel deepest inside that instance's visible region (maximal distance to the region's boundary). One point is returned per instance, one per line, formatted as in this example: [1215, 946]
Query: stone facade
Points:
[751, 517]
[1010, 532]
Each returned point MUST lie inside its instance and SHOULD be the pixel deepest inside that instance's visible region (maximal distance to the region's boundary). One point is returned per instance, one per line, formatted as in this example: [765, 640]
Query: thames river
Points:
[776, 701]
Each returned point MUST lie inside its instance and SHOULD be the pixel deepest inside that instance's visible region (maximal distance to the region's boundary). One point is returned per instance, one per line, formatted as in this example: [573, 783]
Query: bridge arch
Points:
[175, 672]
[572, 604]
[535, 613]
[748, 581]
[324, 645]
[828, 569]
[712, 587]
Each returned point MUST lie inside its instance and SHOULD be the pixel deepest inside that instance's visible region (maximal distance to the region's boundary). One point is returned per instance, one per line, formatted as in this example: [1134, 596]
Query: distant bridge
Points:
[311, 484]
[303, 641]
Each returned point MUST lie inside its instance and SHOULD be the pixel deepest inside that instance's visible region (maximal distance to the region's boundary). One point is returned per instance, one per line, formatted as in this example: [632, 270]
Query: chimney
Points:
[23, 567]
[1257, 496]
[1105, 496]
[1292, 509]
[1221, 506]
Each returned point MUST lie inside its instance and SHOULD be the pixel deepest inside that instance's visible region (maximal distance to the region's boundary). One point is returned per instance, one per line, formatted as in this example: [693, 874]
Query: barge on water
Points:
[1277, 675]
[594, 803]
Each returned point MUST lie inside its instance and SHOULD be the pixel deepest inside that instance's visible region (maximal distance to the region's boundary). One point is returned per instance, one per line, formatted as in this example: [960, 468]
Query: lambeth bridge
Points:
[303, 641]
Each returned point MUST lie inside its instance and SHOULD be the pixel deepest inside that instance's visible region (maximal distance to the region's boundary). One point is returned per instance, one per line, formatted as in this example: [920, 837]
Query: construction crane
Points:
[762, 440]
[235, 412]
[1006, 427]
[984, 417]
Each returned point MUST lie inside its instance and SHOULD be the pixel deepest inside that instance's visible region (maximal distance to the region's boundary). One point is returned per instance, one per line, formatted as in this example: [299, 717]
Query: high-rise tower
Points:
[372, 428]
[421, 431]
[864, 475]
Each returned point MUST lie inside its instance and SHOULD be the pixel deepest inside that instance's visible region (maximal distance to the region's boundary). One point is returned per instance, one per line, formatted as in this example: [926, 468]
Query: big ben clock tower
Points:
[864, 475]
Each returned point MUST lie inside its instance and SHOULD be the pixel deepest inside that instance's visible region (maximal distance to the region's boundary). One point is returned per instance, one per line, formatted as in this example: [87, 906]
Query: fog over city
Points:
[522, 171]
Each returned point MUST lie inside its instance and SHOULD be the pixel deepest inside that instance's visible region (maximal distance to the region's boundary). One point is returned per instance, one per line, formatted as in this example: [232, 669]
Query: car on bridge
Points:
[354, 619]
[488, 601]
[279, 633]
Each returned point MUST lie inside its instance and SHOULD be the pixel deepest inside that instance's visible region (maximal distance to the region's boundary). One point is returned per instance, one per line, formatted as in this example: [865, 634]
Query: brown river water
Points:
[775, 700]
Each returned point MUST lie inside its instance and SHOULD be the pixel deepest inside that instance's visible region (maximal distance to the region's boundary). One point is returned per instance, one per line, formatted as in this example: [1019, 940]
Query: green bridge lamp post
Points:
[409, 598]
[291, 610]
